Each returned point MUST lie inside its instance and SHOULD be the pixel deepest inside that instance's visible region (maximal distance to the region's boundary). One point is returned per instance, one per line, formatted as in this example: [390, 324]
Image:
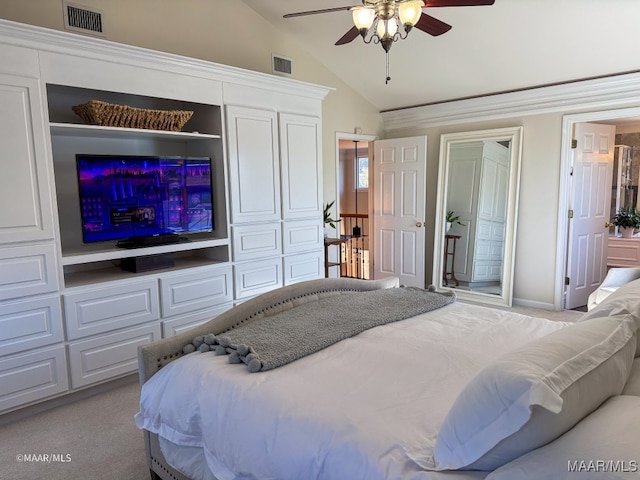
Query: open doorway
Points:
[626, 123]
[353, 202]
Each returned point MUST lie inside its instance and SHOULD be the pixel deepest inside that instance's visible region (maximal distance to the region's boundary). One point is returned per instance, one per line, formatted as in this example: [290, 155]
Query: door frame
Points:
[566, 159]
[361, 138]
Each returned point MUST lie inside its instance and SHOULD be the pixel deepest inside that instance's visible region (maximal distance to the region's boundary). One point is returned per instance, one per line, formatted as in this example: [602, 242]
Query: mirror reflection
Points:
[476, 213]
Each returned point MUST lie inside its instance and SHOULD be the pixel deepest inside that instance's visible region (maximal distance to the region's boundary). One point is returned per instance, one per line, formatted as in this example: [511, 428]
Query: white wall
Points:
[539, 189]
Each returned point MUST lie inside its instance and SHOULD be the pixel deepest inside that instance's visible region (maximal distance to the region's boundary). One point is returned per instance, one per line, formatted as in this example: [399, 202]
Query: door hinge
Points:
[574, 143]
[567, 281]
[570, 213]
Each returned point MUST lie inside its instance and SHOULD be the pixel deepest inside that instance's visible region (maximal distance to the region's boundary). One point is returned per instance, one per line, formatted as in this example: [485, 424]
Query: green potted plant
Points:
[328, 221]
[627, 219]
[452, 218]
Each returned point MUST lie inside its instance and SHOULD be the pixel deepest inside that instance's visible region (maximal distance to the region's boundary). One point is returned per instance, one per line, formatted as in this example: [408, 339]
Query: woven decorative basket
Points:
[96, 112]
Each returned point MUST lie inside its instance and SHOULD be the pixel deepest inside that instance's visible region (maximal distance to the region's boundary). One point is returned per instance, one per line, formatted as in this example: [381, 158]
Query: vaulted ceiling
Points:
[513, 44]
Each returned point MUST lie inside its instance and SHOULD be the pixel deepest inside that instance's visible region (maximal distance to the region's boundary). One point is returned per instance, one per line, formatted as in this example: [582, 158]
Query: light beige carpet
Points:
[94, 438]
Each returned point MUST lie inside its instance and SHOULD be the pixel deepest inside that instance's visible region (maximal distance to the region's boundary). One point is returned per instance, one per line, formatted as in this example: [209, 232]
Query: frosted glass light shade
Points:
[363, 17]
[387, 28]
[410, 12]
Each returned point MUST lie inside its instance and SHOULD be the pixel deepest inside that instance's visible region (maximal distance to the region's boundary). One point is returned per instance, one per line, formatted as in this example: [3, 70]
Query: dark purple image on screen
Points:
[131, 197]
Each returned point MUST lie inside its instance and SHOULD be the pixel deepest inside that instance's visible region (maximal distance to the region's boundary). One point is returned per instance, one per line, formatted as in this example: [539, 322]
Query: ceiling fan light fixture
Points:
[386, 29]
[363, 17]
[410, 12]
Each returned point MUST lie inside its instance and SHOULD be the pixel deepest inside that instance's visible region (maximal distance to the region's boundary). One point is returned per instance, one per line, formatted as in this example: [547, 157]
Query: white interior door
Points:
[590, 202]
[399, 167]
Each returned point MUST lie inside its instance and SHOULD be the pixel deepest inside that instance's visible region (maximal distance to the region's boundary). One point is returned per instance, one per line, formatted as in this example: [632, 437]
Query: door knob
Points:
[418, 224]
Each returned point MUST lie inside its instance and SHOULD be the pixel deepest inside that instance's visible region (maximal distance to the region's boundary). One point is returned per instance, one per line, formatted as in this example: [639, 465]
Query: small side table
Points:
[449, 251]
[328, 241]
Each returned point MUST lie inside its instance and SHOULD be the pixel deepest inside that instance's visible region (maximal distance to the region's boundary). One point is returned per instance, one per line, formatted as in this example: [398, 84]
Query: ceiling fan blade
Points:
[314, 12]
[458, 3]
[431, 25]
[349, 36]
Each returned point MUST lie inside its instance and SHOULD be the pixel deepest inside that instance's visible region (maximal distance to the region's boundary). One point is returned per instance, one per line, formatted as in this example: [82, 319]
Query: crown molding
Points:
[604, 92]
[45, 39]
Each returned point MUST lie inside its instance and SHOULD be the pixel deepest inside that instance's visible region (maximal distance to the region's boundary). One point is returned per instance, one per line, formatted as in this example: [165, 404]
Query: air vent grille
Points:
[282, 65]
[82, 19]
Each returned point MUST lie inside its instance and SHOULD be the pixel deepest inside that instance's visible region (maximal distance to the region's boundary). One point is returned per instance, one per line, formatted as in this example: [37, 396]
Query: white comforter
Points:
[365, 408]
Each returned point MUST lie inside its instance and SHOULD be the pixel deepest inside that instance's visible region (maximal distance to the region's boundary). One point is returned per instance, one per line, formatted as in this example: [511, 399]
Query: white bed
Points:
[374, 406]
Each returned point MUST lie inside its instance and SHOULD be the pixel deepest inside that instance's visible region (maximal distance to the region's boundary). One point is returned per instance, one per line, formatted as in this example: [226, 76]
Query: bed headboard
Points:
[154, 356]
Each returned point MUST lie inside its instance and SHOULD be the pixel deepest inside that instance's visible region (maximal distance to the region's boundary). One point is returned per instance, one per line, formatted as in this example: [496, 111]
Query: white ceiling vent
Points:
[81, 19]
[281, 65]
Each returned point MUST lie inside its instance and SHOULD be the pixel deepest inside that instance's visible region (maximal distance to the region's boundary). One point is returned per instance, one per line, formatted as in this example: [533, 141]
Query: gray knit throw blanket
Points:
[273, 341]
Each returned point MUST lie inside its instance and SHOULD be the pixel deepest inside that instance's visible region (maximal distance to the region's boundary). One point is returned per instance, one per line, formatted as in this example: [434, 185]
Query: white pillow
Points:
[534, 394]
[625, 300]
[632, 386]
[603, 446]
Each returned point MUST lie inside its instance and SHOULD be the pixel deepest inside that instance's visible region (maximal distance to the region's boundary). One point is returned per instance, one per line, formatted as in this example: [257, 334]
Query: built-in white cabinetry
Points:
[25, 190]
[254, 164]
[195, 289]
[70, 316]
[32, 375]
[276, 199]
[33, 362]
[478, 195]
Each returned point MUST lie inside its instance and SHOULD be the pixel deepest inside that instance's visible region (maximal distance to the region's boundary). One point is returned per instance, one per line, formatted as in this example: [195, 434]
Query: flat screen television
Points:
[144, 200]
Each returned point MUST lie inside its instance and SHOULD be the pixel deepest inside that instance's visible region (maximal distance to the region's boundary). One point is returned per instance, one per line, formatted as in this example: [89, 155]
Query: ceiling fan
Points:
[392, 20]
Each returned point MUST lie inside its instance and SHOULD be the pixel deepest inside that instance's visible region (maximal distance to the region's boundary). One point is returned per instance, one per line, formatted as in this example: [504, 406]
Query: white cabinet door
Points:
[27, 270]
[254, 166]
[181, 323]
[256, 241]
[303, 236]
[30, 323]
[100, 310]
[191, 291]
[254, 278]
[25, 183]
[307, 266]
[32, 376]
[107, 356]
[301, 160]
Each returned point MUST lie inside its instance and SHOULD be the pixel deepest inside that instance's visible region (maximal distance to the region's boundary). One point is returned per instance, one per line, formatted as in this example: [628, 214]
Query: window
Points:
[362, 180]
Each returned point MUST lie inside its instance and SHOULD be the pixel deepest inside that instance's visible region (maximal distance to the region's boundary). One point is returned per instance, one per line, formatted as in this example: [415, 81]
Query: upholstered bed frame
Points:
[153, 357]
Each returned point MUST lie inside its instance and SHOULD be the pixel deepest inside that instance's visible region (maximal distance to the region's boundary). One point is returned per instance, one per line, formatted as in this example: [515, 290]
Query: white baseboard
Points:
[533, 304]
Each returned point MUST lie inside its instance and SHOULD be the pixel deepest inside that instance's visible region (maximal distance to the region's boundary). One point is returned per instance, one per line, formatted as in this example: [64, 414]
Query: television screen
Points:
[132, 197]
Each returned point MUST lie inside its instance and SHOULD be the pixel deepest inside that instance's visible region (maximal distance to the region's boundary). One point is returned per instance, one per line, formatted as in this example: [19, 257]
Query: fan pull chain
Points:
[387, 62]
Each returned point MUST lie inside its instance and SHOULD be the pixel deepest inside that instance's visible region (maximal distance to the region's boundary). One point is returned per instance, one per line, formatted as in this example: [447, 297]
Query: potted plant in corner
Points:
[328, 221]
[451, 219]
[627, 219]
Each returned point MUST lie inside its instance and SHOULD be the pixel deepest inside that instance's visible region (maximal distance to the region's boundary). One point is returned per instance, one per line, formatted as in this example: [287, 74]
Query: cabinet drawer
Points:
[623, 252]
[32, 376]
[108, 356]
[27, 270]
[254, 278]
[189, 292]
[256, 241]
[30, 323]
[302, 235]
[182, 323]
[93, 311]
[307, 266]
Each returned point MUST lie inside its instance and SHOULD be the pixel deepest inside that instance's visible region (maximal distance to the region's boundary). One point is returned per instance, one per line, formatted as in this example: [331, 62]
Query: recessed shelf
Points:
[99, 253]
[114, 273]
[97, 131]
